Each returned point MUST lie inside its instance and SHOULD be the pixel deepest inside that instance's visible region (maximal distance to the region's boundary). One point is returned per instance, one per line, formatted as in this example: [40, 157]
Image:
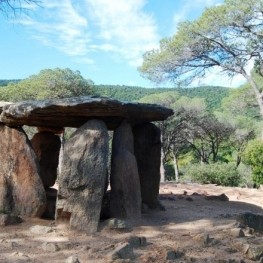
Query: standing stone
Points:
[46, 146]
[125, 198]
[22, 192]
[147, 148]
[83, 176]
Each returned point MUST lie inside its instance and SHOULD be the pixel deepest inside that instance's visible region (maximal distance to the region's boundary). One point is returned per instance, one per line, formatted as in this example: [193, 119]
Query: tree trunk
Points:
[162, 170]
[176, 170]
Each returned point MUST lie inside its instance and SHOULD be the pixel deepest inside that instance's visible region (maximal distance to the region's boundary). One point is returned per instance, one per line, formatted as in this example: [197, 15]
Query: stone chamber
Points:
[109, 167]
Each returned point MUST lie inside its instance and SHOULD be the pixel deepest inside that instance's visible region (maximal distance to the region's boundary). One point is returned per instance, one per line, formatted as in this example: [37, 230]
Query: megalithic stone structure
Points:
[82, 178]
[82, 181]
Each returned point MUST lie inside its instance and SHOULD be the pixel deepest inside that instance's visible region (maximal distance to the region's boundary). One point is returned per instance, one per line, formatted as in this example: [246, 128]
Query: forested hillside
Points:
[5, 82]
[212, 95]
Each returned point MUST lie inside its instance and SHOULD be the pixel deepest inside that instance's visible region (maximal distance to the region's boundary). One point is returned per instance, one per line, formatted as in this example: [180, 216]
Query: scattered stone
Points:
[188, 198]
[50, 247]
[115, 223]
[122, 251]
[147, 149]
[83, 176]
[254, 251]
[172, 254]
[221, 197]
[72, 259]
[6, 219]
[251, 220]
[237, 232]
[41, 229]
[136, 241]
[204, 239]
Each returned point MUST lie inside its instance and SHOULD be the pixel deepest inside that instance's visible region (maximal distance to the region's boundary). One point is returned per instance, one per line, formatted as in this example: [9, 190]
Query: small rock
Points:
[251, 220]
[122, 251]
[204, 239]
[72, 259]
[221, 197]
[255, 252]
[50, 247]
[136, 241]
[172, 254]
[6, 219]
[188, 198]
[12, 244]
[115, 223]
[41, 229]
[237, 232]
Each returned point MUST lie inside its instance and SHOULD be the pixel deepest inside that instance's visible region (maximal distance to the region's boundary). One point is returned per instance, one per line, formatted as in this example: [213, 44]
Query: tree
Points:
[48, 84]
[14, 6]
[253, 157]
[207, 135]
[227, 37]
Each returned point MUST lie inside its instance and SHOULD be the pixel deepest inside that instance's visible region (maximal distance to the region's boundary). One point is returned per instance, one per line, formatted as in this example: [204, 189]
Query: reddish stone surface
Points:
[24, 192]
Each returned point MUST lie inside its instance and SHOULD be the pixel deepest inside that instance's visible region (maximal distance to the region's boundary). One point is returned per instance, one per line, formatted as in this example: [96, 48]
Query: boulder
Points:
[83, 176]
[74, 112]
[147, 149]
[251, 220]
[46, 146]
[22, 191]
[125, 197]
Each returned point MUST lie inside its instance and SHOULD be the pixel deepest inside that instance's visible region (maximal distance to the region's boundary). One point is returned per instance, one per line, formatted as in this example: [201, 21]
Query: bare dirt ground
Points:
[192, 229]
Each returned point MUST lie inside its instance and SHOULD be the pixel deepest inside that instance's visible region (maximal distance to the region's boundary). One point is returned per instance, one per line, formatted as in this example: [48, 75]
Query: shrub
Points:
[253, 156]
[224, 174]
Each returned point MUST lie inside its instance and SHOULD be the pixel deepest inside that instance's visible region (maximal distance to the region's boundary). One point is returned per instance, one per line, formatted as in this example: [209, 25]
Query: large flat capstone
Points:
[74, 112]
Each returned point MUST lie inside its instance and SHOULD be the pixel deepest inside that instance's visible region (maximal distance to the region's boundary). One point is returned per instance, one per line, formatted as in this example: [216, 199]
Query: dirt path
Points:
[193, 228]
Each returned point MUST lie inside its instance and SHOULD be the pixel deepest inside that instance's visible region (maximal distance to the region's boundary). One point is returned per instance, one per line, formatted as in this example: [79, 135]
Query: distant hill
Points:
[212, 95]
[5, 82]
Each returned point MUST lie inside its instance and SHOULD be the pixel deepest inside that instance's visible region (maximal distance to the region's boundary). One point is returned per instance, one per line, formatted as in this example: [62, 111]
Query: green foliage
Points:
[48, 84]
[216, 173]
[226, 36]
[253, 156]
[5, 82]
[212, 95]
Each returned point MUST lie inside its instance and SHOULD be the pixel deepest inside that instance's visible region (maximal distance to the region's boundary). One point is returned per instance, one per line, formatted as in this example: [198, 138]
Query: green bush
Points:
[224, 174]
[253, 156]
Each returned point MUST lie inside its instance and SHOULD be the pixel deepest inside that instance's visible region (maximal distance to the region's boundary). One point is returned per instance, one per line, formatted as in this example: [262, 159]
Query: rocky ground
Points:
[198, 225]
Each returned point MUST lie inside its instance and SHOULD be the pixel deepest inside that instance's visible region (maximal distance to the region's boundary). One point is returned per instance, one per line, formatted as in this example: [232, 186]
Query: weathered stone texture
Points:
[83, 176]
[147, 148]
[46, 146]
[74, 112]
[22, 192]
[125, 198]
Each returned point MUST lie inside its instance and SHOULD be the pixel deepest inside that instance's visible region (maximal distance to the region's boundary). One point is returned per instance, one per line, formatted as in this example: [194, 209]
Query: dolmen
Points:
[90, 166]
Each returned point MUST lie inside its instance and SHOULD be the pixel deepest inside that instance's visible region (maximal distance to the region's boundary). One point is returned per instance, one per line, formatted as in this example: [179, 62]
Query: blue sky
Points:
[103, 39]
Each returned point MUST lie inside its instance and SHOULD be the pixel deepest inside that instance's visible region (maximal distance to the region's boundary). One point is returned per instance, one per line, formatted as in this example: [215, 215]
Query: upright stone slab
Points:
[83, 176]
[125, 197]
[147, 148]
[22, 192]
[46, 146]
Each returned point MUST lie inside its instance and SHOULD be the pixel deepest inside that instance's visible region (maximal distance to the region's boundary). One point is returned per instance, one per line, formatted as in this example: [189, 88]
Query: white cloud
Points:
[60, 25]
[119, 27]
[124, 28]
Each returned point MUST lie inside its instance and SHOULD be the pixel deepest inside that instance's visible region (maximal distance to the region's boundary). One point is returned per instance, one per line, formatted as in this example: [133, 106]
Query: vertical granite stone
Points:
[147, 149]
[125, 197]
[22, 191]
[83, 176]
[46, 146]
